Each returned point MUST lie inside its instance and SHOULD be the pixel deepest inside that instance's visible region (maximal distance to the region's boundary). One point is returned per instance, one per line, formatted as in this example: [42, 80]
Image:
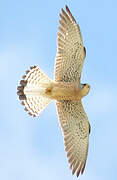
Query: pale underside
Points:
[68, 67]
[70, 50]
[75, 127]
[64, 90]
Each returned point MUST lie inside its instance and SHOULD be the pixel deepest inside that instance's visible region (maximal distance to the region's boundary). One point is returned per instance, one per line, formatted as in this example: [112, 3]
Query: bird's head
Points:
[84, 89]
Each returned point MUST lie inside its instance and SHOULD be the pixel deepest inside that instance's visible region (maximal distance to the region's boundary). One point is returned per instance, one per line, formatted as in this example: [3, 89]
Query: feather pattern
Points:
[30, 91]
[75, 128]
[70, 50]
[36, 91]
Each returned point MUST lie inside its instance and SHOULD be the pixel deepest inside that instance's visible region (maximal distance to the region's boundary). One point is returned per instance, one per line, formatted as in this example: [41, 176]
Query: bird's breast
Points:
[63, 91]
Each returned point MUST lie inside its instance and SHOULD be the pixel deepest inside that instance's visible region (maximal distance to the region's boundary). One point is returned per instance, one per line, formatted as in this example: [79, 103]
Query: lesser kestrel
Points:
[36, 91]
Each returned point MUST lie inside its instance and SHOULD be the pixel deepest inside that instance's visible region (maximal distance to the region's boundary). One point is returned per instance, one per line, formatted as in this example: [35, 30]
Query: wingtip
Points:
[60, 14]
[83, 168]
[67, 9]
[63, 11]
[66, 6]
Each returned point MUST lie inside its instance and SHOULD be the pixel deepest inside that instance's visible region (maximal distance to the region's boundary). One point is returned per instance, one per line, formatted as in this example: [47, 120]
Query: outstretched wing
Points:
[76, 128]
[70, 51]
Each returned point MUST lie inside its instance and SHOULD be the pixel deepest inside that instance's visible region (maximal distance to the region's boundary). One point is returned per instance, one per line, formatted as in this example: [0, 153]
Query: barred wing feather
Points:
[70, 51]
[75, 128]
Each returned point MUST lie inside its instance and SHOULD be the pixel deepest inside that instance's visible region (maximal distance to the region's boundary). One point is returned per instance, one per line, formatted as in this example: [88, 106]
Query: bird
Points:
[36, 90]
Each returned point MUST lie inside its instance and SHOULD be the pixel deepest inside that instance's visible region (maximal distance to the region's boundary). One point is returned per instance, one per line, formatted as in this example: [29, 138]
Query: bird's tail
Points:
[32, 90]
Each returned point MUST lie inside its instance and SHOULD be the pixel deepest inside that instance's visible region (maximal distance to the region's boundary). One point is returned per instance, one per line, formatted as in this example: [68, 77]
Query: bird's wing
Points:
[70, 50]
[75, 128]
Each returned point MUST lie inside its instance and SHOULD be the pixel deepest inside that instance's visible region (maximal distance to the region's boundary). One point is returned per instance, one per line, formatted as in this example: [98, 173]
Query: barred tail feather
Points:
[32, 91]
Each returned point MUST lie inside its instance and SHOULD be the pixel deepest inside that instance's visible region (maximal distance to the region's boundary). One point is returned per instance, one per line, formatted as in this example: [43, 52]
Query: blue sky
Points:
[33, 148]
